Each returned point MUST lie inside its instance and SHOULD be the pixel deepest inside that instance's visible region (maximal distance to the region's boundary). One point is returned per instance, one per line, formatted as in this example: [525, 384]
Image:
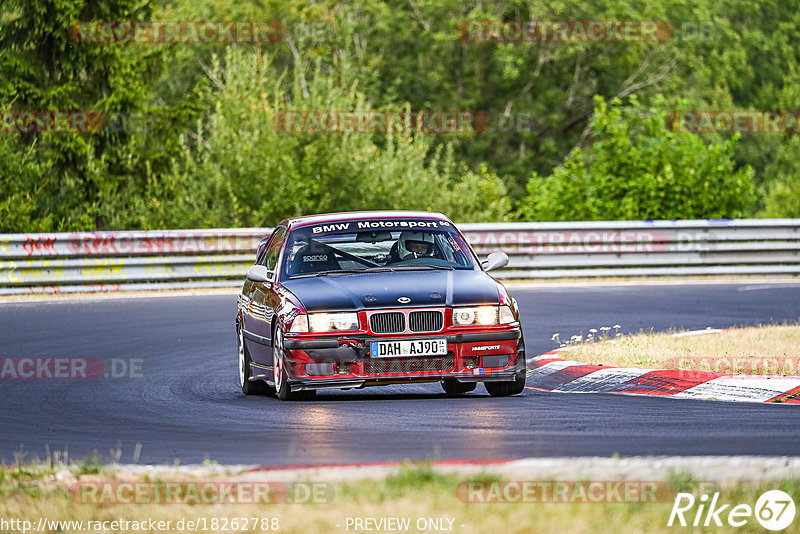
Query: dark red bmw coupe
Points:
[349, 300]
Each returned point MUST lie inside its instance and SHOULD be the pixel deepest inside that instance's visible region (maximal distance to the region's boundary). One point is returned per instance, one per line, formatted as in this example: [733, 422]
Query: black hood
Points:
[382, 289]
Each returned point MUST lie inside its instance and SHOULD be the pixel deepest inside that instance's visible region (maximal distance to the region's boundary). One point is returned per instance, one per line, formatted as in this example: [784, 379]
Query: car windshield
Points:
[375, 246]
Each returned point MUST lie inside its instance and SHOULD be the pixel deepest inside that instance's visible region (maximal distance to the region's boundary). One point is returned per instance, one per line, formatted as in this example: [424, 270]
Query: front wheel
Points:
[504, 389]
[282, 388]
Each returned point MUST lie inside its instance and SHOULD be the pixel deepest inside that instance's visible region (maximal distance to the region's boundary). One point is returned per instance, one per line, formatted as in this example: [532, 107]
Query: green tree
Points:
[781, 194]
[238, 169]
[20, 170]
[188, 166]
[537, 95]
[85, 177]
[637, 168]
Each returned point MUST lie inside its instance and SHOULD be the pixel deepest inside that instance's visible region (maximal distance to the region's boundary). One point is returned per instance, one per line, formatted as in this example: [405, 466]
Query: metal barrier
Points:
[117, 261]
[643, 248]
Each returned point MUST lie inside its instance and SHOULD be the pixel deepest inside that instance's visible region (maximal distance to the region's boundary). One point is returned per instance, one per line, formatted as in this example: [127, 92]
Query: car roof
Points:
[361, 215]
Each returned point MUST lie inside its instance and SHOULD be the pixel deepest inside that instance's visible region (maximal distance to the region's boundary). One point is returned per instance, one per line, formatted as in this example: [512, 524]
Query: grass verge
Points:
[429, 499]
[762, 350]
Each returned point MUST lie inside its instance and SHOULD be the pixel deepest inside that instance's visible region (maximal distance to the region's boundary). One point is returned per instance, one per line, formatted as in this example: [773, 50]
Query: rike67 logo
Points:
[774, 510]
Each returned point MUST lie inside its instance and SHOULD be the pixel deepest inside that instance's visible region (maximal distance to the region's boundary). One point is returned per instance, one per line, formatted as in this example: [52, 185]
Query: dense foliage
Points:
[578, 130]
[638, 169]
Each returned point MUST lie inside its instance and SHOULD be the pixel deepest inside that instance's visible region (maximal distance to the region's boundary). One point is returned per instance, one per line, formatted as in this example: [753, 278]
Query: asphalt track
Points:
[187, 406]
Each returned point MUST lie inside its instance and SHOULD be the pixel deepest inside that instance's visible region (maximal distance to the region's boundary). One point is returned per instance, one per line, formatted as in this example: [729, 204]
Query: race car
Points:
[350, 300]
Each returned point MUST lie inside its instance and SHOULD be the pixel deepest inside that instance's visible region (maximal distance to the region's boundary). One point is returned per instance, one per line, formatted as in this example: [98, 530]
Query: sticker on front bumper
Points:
[416, 347]
[481, 371]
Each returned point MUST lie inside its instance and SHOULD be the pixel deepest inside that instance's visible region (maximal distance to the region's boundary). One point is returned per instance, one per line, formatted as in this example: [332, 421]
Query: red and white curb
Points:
[549, 372]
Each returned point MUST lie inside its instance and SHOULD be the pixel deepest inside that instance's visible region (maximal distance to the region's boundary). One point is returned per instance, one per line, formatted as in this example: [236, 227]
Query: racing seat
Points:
[312, 258]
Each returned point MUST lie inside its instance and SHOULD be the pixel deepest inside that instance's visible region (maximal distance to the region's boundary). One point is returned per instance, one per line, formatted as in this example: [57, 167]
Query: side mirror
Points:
[258, 273]
[496, 260]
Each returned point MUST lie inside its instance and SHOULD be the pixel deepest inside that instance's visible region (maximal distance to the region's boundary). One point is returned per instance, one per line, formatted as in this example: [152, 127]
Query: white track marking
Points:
[698, 332]
[602, 381]
[740, 388]
[116, 295]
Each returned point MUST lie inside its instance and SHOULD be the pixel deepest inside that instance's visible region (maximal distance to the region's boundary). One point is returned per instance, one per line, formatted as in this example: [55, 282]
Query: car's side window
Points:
[270, 260]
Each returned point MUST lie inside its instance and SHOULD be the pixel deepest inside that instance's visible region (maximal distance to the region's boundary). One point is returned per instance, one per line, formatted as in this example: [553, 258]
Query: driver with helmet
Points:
[412, 244]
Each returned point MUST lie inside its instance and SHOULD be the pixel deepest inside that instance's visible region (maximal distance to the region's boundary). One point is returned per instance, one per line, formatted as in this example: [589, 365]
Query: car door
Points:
[263, 303]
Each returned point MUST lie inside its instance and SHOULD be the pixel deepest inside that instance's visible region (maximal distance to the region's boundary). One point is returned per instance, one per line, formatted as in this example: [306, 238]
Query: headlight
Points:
[327, 322]
[482, 315]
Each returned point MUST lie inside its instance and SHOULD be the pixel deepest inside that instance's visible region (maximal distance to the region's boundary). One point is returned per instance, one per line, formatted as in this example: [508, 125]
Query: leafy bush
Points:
[637, 168]
[19, 175]
[782, 192]
[238, 169]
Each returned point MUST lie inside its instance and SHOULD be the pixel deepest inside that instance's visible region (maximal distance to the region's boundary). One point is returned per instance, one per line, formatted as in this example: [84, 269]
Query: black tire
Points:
[504, 389]
[249, 387]
[454, 388]
[282, 388]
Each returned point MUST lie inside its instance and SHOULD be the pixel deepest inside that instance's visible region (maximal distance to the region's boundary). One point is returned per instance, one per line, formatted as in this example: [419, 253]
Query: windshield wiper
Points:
[353, 271]
[420, 267]
[323, 273]
[339, 271]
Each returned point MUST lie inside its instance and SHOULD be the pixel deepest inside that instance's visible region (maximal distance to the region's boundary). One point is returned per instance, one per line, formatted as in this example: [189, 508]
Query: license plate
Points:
[416, 347]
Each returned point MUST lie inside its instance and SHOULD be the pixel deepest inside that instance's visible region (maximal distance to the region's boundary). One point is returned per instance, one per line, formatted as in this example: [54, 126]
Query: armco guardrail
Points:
[643, 248]
[116, 261]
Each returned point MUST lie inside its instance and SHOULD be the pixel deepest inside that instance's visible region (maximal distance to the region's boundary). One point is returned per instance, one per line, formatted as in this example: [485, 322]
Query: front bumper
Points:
[328, 362]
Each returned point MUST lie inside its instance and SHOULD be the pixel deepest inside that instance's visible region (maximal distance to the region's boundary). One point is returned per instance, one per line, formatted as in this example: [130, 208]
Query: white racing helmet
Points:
[413, 244]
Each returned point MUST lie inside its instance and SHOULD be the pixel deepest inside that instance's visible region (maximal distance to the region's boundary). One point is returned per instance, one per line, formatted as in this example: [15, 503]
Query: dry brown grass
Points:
[773, 350]
[414, 493]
